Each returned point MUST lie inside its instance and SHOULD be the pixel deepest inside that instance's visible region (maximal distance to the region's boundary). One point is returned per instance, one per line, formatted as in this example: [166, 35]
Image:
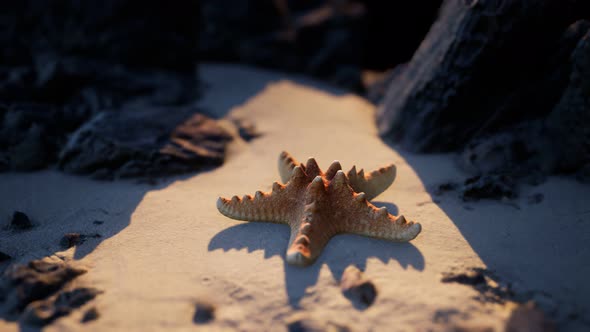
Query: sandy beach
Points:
[165, 247]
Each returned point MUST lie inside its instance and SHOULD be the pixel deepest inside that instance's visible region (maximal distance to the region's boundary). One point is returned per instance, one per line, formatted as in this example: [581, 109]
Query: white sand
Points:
[165, 247]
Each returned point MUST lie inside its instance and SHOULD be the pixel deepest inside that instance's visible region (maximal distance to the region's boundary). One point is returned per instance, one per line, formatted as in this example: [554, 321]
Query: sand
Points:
[166, 247]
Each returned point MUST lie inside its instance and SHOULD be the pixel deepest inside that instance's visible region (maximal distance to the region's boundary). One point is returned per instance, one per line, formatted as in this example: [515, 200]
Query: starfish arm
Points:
[276, 206]
[286, 165]
[266, 207]
[369, 220]
[374, 183]
[309, 236]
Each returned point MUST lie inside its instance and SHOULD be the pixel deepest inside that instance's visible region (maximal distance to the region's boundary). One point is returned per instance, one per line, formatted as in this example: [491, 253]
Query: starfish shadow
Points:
[342, 251]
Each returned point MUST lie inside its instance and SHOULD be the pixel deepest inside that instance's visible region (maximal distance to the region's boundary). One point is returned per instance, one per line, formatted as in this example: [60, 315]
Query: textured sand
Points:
[166, 247]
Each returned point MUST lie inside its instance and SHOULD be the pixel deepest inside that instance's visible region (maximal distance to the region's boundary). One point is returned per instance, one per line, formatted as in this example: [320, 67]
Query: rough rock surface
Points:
[332, 40]
[21, 285]
[64, 61]
[43, 312]
[145, 142]
[456, 86]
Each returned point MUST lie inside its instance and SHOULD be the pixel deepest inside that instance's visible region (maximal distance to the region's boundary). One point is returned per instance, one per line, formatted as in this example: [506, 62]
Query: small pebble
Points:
[20, 221]
[204, 312]
[535, 198]
[90, 315]
[98, 222]
[4, 257]
[354, 286]
[471, 277]
[70, 240]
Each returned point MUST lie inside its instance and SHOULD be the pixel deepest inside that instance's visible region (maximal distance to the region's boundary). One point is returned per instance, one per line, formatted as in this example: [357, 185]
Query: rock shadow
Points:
[342, 251]
[526, 245]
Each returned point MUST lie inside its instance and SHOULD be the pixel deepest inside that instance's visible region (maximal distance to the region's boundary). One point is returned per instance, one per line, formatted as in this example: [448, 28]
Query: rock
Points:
[37, 280]
[568, 125]
[204, 312]
[528, 318]
[470, 277]
[90, 315]
[246, 129]
[54, 79]
[489, 287]
[20, 221]
[483, 66]
[445, 187]
[4, 257]
[301, 322]
[73, 239]
[355, 287]
[145, 142]
[489, 186]
[43, 312]
[535, 198]
[98, 222]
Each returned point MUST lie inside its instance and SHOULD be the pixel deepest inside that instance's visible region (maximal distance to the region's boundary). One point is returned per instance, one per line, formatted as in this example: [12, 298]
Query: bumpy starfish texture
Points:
[319, 205]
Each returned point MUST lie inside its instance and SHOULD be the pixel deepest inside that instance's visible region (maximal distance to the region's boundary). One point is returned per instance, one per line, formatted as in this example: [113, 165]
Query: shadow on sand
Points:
[342, 251]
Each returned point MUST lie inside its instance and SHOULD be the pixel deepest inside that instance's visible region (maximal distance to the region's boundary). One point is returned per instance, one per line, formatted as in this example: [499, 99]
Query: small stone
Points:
[73, 239]
[4, 257]
[98, 222]
[90, 315]
[204, 312]
[35, 281]
[489, 186]
[41, 313]
[471, 277]
[301, 322]
[70, 240]
[20, 221]
[355, 287]
[528, 318]
[535, 198]
[445, 187]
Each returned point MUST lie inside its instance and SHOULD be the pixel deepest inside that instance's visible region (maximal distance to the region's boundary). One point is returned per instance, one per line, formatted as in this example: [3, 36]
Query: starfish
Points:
[318, 206]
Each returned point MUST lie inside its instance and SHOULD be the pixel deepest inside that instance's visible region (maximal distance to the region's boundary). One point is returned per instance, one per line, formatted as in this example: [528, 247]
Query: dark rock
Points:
[204, 312]
[445, 187]
[246, 129]
[145, 142]
[528, 318]
[43, 312]
[535, 198]
[489, 186]
[90, 315]
[20, 221]
[73, 239]
[4, 257]
[471, 277]
[98, 222]
[490, 288]
[70, 239]
[301, 322]
[481, 67]
[39, 279]
[53, 78]
[568, 124]
[355, 287]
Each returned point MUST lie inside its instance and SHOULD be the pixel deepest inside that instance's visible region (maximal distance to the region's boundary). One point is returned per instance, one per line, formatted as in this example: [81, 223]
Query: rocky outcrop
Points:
[502, 81]
[65, 61]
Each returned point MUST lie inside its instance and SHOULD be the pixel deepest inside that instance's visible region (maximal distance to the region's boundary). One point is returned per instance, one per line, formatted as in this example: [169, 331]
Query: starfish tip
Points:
[298, 258]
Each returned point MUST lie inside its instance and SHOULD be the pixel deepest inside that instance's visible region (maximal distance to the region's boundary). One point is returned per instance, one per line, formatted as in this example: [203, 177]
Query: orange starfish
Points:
[319, 205]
